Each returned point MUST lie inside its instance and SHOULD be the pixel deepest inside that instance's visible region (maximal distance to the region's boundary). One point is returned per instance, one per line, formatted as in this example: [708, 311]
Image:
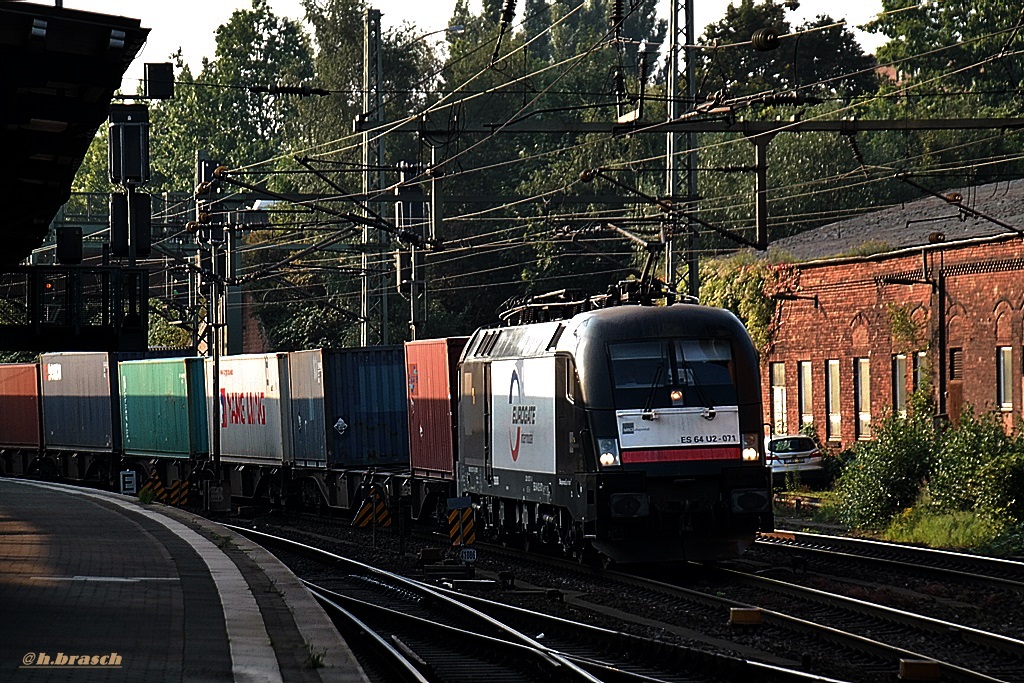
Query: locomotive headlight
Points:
[750, 453]
[608, 452]
[676, 395]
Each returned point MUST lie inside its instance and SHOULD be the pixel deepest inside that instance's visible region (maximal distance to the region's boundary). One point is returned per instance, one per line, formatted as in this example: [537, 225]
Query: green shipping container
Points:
[163, 408]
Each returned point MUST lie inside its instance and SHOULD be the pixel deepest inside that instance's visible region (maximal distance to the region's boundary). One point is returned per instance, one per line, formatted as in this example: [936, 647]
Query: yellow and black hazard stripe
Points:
[155, 487]
[374, 509]
[462, 526]
[177, 492]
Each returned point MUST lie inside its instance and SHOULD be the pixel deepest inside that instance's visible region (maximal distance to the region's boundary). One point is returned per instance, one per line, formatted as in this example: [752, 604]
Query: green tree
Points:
[526, 254]
[315, 300]
[226, 111]
[815, 61]
[161, 331]
[962, 49]
[742, 284]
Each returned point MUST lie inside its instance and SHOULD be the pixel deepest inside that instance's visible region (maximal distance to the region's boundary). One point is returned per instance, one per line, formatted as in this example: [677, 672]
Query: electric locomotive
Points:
[631, 431]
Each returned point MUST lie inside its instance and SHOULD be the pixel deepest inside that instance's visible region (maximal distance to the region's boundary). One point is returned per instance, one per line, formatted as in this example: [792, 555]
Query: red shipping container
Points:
[19, 405]
[431, 373]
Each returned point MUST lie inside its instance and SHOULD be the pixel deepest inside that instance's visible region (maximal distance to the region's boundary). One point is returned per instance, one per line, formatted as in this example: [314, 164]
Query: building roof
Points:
[59, 69]
[909, 225]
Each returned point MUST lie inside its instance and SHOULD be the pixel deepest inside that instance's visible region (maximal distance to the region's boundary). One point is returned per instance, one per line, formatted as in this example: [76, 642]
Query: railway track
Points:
[410, 630]
[960, 652]
[941, 564]
[800, 629]
[829, 634]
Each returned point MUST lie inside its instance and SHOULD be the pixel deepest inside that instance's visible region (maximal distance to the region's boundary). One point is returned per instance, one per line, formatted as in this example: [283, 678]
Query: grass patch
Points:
[146, 496]
[958, 530]
[315, 657]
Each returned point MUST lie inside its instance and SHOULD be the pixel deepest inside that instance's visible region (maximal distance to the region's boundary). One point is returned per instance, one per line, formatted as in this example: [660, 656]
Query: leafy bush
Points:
[835, 462]
[962, 487]
[979, 468]
[886, 474]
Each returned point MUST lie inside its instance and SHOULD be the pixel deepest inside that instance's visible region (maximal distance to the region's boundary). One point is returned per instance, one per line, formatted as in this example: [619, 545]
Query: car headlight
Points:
[608, 452]
[750, 453]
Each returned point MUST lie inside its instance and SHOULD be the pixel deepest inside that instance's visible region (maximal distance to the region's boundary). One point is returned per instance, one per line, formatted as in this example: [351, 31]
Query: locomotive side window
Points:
[666, 373]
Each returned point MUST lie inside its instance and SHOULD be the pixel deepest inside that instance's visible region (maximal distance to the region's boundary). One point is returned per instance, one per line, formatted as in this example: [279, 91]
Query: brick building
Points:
[854, 336]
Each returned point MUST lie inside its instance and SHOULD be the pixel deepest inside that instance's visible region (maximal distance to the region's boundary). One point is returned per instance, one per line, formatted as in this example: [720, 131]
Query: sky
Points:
[190, 24]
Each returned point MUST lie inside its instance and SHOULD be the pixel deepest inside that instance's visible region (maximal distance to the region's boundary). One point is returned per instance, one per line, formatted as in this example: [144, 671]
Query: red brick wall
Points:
[984, 301]
[253, 339]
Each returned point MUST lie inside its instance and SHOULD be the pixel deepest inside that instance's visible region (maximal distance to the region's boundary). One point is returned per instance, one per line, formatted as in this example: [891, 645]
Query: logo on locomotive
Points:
[523, 415]
[522, 419]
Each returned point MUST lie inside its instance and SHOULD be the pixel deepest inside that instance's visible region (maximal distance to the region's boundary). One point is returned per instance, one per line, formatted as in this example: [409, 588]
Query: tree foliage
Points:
[956, 47]
[742, 284]
[812, 59]
[517, 217]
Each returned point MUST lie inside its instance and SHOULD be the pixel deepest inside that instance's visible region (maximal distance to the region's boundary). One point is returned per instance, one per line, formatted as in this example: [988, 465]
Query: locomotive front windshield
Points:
[665, 373]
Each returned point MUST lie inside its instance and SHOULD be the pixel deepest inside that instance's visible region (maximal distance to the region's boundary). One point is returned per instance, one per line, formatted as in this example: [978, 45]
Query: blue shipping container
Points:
[349, 408]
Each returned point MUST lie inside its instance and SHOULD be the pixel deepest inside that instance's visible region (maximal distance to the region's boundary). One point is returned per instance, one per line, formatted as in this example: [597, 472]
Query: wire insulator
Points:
[618, 16]
[508, 11]
[618, 12]
[765, 39]
[619, 82]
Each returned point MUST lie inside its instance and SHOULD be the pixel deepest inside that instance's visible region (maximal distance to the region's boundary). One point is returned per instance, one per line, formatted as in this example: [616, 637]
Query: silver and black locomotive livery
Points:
[632, 431]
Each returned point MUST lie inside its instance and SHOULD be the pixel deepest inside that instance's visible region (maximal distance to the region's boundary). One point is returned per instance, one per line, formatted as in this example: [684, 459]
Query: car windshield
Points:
[662, 373]
[796, 444]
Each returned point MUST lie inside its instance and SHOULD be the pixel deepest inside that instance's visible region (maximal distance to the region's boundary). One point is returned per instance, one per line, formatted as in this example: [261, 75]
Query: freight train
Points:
[626, 433]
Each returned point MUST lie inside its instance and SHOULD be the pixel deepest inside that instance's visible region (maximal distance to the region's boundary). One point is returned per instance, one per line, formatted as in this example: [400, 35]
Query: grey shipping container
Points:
[80, 399]
[79, 402]
[163, 407]
[255, 408]
[349, 408]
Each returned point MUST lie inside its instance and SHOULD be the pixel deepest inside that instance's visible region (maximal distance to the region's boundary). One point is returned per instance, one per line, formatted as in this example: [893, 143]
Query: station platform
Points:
[98, 587]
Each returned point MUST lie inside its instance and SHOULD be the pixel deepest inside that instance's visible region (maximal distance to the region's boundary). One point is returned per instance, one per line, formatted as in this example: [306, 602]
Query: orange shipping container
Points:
[431, 373]
[19, 405]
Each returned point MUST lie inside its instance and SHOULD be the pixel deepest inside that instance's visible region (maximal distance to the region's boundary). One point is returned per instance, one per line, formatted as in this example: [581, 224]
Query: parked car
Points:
[795, 454]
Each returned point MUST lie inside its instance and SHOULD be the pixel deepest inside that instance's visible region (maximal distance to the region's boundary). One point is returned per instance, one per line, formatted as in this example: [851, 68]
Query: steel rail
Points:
[964, 566]
[569, 670]
[400, 667]
[728, 666]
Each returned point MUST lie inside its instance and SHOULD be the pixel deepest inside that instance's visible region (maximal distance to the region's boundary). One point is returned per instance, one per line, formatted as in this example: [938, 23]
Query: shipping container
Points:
[255, 409]
[163, 408]
[80, 398]
[79, 393]
[349, 407]
[431, 372]
[20, 417]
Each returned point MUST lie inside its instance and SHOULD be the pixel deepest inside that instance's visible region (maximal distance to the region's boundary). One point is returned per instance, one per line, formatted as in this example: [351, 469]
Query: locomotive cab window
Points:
[672, 373]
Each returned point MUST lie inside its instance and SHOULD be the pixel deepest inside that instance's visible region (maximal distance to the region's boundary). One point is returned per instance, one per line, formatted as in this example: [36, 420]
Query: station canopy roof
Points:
[59, 69]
